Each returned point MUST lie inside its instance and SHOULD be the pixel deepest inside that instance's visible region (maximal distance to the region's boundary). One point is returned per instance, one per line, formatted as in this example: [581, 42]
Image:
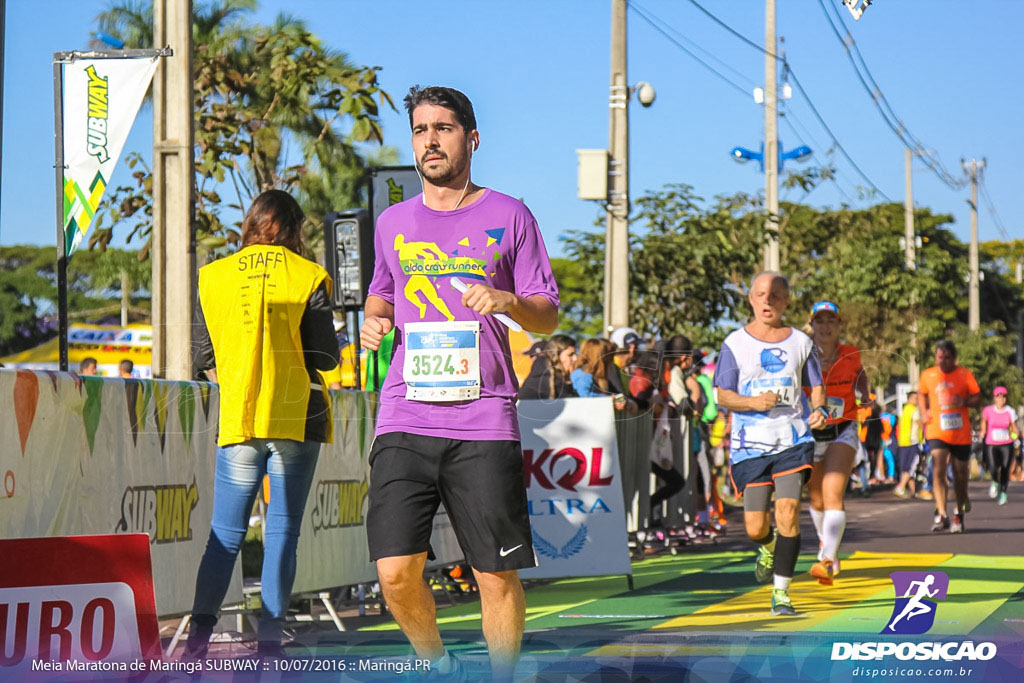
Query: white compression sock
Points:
[782, 582]
[833, 525]
[816, 517]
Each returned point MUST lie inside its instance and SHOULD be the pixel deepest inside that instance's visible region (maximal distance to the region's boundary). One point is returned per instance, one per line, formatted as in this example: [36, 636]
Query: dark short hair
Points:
[126, 365]
[948, 346]
[440, 96]
[87, 362]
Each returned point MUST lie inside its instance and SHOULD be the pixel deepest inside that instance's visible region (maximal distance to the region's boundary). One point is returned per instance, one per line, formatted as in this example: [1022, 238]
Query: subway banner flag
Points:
[101, 99]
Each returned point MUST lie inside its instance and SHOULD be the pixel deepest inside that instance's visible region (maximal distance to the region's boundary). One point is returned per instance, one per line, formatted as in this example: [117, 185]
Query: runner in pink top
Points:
[998, 424]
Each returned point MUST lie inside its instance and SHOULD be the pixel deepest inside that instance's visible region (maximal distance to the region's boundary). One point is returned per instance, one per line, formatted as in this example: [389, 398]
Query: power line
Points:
[800, 87]
[882, 104]
[817, 115]
[788, 121]
[682, 47]
[995, 214]
[752, 83]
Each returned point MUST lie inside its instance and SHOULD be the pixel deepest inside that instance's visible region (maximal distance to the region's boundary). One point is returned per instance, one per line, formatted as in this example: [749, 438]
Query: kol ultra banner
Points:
[574, 485]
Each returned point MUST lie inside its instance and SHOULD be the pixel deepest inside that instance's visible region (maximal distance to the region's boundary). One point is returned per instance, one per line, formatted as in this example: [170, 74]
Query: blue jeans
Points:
[239, 474]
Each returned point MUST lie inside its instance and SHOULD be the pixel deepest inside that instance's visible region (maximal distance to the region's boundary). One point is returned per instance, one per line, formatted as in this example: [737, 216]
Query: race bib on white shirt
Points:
[442, 361]
[786, 387]
[950, 421]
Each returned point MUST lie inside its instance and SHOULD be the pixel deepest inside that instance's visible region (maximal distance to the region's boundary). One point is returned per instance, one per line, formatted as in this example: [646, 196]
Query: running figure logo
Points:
[420, 284]
[914, 612]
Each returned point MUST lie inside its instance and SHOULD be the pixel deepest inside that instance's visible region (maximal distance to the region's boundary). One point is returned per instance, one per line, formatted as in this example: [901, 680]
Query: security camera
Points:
[644, 93]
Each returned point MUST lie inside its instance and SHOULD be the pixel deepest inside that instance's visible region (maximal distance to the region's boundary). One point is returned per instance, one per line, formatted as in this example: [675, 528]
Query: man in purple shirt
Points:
[447, 429]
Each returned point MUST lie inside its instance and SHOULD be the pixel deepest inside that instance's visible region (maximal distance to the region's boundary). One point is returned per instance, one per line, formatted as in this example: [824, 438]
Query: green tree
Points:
[688, 264]
[28, 291]
[274, 108]
[987, 352]
[580, 306]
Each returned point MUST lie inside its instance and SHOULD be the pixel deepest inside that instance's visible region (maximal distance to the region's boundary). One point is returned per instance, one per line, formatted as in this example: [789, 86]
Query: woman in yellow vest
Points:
[263, 330]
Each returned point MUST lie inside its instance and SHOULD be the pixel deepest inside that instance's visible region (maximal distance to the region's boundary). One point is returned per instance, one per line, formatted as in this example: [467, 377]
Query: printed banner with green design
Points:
[101, 99]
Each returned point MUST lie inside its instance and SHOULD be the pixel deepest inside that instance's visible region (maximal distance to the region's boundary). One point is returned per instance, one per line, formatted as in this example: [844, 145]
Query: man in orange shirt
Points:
[946, 392]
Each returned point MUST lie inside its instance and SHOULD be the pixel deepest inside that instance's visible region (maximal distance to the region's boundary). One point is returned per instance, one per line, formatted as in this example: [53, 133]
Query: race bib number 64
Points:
[442, 361]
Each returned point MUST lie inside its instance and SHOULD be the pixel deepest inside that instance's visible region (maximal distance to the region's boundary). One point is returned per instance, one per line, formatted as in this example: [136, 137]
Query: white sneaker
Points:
[993, 490]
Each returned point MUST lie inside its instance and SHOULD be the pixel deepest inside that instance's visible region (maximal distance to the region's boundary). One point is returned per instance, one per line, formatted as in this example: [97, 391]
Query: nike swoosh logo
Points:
[502, 552]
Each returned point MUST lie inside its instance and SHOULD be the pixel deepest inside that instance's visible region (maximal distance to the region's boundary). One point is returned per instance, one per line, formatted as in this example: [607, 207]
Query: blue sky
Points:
[537, 72]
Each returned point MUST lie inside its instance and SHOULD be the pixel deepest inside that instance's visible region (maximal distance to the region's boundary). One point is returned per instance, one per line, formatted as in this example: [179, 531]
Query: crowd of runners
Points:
[783, 415]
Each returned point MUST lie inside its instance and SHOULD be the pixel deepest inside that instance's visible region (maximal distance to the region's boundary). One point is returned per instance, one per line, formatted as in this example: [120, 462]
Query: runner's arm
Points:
[817, 418]
[535, 313]
[922, 406]
[379, 318]
[731, 400]
[974, 400]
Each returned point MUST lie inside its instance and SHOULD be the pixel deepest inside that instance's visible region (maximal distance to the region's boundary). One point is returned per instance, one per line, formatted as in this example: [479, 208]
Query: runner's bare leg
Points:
[503, 616]
[411, 602]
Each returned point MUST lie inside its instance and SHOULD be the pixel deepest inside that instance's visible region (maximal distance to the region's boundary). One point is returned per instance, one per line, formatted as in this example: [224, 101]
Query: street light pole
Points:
[616, 263]
[910, 261]
[973, 294]
[771, 140]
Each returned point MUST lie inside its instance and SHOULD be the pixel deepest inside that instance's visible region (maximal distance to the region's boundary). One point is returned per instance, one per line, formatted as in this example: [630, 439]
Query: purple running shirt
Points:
[494, 241]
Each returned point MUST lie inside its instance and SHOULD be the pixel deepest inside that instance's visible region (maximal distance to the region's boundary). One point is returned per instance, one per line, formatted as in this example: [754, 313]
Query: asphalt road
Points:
[885, 523]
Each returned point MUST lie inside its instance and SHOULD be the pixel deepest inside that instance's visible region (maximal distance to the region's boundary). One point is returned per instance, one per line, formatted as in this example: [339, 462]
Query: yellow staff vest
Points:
[253, 302]
[906, 435]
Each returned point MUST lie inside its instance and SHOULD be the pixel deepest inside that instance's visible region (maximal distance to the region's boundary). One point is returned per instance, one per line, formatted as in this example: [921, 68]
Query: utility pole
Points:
[973, 169]
[1020, 320]
[616, 261]
[771, 139]
[910, 261]
[173, 251]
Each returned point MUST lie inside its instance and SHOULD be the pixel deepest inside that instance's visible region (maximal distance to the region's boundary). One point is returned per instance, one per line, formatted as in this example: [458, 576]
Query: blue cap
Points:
[824, 306]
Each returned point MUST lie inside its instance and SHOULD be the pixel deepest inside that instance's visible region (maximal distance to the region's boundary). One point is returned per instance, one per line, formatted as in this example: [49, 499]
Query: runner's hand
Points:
[956, 400]
[817, 419]
[373, 332]
[765, 401]
[485, 300]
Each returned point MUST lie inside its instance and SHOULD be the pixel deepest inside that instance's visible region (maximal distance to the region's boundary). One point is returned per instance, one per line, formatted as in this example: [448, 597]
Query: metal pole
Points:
[616, 267]
[62, 257]
[3, 16]
[771, 139]
[973, 294]
[910, 261]
[173, 248]
[1020, 321]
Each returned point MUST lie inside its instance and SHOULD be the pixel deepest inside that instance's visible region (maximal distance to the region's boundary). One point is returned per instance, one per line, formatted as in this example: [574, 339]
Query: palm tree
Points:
[270, 104]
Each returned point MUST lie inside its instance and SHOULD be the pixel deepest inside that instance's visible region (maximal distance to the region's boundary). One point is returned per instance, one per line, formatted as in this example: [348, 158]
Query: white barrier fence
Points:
[95, 455]
[98, 456]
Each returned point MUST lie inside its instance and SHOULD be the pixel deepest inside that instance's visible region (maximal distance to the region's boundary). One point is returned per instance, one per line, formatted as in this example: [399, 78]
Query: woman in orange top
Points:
[835, 444]
[946, 392]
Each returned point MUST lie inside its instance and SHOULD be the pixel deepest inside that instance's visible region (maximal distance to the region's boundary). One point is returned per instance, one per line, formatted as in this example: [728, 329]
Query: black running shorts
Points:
[958, 451]
[764, 470]
[480, 483]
